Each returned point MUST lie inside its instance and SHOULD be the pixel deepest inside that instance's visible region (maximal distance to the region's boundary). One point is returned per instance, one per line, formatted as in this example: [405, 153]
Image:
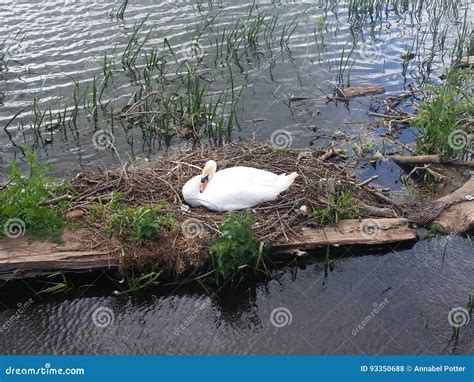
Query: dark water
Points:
[407, 292]
[411, 291]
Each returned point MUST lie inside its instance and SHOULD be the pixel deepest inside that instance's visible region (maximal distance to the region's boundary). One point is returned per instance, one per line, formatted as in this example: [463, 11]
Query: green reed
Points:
[122, 9]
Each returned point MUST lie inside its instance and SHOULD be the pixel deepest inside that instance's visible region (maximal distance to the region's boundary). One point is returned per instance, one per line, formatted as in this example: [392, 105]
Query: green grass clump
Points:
[22, 201]
[340, 206]
[236, 249]
[139, 223]
[443, 118]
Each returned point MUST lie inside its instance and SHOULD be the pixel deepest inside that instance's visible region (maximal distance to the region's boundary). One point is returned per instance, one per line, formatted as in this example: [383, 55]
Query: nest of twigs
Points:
[187, 247]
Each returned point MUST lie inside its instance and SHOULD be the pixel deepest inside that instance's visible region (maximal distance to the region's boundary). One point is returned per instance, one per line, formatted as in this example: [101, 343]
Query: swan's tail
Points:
[287, 180]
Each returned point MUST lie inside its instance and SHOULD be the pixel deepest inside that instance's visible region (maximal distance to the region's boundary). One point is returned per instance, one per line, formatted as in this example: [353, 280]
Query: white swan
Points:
[234, 188]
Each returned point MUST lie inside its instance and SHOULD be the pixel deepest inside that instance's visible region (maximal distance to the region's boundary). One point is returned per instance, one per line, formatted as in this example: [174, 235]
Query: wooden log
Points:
[21, 259]
[458, 218]
[451, 213]
[356, 91]
[351, 232]
[413, 160]
[457, 210]
[416, 159]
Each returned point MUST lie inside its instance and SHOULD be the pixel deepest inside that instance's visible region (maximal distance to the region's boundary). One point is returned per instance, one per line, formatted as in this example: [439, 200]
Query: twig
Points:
[56, 200]
[6, 184]
[367, 181]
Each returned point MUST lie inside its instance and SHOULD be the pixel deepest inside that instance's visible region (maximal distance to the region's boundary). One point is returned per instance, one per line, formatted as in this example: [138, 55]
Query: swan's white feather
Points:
[237, 188]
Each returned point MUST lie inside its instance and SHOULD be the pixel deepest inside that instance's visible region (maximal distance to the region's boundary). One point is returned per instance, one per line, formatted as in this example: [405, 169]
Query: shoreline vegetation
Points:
[134, 217]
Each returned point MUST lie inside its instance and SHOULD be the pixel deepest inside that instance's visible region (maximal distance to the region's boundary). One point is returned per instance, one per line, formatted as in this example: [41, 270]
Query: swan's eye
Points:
[204, 179]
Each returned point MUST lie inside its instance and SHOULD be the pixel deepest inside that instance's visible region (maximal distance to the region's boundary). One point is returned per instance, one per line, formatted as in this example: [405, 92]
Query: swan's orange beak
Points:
[203, 185]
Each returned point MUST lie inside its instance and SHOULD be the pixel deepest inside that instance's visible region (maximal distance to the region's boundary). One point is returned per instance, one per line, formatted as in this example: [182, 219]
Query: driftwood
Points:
[20, 259]
[428, 159]
[458, 214]
[458, 218]
[351, 232]
[356, 91]
[378, 211]
[451, 213]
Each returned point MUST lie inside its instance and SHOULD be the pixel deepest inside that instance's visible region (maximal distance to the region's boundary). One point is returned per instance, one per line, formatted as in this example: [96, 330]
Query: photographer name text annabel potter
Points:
[413, 369]
[440, 369]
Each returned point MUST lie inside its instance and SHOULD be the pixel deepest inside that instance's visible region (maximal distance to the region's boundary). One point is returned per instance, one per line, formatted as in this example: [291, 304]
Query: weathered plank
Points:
[356, 91]
[353, 232]
[21, 259]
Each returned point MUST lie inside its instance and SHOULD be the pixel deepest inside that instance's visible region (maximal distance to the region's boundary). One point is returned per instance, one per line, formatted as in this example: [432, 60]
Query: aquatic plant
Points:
[340, 206]
[443, 117]
[122, 9]
[136, 283]
[3, 59]
[237, 249]
[23, 199]
[55, 287]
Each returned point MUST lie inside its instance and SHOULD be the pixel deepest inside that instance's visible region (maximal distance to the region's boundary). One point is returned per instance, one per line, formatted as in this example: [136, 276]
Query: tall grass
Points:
[444, 117]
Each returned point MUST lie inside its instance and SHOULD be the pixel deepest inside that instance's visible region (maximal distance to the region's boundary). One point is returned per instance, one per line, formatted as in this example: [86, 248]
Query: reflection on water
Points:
[394, 303]
[302, 50]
